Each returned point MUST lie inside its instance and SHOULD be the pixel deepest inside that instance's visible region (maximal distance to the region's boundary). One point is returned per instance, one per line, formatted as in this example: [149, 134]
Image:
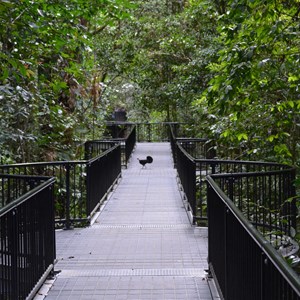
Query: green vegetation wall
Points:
[228, 69]
[50, 81]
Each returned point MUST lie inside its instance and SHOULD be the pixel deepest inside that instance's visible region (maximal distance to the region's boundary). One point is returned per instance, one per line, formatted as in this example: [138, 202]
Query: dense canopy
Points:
[227, 69]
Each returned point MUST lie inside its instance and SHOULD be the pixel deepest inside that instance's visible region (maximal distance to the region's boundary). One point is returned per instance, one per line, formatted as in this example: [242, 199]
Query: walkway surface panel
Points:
[141, 246]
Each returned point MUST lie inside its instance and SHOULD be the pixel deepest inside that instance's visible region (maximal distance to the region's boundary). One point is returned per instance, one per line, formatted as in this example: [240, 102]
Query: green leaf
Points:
[58, 86]
[242, 136]
[226, 133]
[293, 78]
[271, 138]
[5, 4]
[5, 74]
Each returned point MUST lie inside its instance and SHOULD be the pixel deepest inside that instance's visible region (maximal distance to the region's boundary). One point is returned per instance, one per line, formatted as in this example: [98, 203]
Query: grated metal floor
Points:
[141, 246]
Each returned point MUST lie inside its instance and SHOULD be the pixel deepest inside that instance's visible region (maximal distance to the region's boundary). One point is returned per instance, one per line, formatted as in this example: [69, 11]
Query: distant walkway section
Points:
[141, 246]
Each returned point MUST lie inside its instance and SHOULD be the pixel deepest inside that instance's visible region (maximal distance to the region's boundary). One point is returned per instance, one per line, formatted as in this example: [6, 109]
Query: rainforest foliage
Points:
[228, 69]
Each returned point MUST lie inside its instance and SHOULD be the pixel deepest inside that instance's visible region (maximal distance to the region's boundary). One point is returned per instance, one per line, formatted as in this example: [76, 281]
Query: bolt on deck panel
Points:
[141, 246]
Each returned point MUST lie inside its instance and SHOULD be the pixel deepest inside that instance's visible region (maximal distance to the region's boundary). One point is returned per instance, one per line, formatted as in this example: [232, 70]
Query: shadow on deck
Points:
[140, 246]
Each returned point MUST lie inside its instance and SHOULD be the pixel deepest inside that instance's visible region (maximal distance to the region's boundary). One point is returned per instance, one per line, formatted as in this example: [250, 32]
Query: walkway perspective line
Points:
[141, 246]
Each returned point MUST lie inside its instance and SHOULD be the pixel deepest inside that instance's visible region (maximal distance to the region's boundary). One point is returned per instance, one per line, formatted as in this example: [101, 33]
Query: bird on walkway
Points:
[148, 160]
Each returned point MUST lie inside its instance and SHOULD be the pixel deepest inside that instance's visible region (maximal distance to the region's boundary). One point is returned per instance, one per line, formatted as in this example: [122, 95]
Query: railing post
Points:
[230, 181]
[176, 129]
[138, 132]
[14, 286]
[87, 150]
[293, 203]
[68, 196]
[213, 167]
[263, 262]
[88, 188]
[52, 254]
[149, 132]
[226, 212]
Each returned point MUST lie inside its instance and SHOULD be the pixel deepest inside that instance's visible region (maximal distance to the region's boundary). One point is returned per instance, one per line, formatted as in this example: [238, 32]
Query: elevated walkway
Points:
[141, 246]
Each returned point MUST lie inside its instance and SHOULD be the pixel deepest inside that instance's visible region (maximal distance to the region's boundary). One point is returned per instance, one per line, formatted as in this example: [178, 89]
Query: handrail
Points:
[127, 145]
[253, 174]
[89, 161]
[27, 244]
[48, 181]
[271, 184]
[186, 139]
[206, 166]
[244, 162]
[57, 162]
[188, 155]
[288, 273]
[73, 192]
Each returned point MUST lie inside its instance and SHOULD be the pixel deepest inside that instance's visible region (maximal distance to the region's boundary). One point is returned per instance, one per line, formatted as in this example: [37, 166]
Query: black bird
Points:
[148, 160]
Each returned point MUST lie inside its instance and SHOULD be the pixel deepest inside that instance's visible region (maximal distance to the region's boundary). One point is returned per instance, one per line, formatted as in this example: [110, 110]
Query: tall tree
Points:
[255, 91]
[166, 53]
[49, 83]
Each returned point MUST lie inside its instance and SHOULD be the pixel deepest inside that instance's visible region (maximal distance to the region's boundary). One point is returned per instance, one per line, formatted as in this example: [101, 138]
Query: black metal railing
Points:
[192, 171]
[27, 236]
[152, 132]
[250, 207]
[145, 132]
[244, 264]
[199, 148]
[195, 147]
[266, 199]
[186, 169]
[130, 143]
[155, 131]
[75, 198]
[117, 129]
[96, 147]
[206, 167]
[102, 173]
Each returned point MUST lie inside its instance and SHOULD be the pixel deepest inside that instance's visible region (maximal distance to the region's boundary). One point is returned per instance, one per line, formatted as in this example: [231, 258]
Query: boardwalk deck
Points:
[141, 246]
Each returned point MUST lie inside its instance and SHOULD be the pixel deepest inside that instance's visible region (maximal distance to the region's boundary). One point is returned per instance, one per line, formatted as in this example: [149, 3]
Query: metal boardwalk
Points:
[141, 246]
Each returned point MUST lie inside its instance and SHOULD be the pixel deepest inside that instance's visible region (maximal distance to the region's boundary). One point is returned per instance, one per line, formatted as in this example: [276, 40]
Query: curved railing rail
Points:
[192, 171]
[27, 237]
